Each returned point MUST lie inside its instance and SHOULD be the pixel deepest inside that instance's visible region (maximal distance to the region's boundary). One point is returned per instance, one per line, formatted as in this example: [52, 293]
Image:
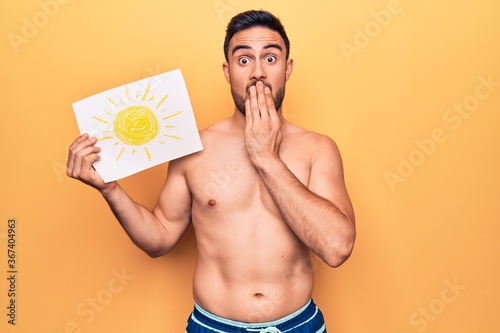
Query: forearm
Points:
[322, 226]
[140, 224]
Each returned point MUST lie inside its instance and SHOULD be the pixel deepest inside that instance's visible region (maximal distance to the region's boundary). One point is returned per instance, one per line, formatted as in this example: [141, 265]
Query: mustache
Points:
[266, 84]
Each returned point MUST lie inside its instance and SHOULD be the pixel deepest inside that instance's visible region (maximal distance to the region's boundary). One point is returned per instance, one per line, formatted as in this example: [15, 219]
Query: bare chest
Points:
[223, 176]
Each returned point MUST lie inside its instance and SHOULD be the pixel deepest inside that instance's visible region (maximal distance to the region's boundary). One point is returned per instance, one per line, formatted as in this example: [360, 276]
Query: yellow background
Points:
[426, 257]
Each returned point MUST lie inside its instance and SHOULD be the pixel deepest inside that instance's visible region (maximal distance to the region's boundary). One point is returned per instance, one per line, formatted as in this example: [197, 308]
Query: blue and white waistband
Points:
[307, 319]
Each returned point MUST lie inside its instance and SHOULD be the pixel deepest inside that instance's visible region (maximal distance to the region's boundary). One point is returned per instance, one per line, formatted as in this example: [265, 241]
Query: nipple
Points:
[211, 202]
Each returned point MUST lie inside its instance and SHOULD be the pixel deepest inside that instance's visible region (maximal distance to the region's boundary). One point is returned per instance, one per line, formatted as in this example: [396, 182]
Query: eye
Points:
[243, 61]
[270, 59]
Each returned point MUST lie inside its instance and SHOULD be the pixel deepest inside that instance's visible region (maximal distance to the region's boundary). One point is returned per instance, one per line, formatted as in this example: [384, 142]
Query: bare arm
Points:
[157, 232]
[321, 215]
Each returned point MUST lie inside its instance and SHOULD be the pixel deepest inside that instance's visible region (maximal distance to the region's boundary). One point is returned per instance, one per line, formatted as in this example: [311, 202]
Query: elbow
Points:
[338, 254]
[156, 252]
[154, 248]
[335, 261]
[153, 254]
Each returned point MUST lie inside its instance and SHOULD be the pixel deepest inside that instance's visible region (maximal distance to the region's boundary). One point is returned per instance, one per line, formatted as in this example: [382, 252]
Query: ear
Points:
[289, 68]
[227, 72]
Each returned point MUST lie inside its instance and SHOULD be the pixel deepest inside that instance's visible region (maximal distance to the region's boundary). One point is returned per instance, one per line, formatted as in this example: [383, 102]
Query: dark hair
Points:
[254, 18]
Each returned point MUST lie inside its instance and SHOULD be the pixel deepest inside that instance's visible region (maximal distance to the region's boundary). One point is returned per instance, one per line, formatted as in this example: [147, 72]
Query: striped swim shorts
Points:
[308, 319]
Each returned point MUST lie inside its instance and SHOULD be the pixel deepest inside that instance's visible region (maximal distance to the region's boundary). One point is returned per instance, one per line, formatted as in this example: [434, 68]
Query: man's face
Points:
[257, 54]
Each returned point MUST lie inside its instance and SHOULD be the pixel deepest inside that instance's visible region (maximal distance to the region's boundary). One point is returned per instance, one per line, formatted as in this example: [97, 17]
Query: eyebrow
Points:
[273, 45]
[248, 47]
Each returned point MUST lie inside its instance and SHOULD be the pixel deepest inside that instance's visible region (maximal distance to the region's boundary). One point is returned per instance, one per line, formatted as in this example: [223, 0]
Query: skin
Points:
[261, 196]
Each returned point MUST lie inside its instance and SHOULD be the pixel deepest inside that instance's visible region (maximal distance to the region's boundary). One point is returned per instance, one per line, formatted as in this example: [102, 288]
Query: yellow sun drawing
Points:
[136, 121]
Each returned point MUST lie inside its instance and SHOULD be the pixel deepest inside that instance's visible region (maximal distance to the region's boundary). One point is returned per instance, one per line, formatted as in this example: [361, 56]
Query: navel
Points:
[212, 202]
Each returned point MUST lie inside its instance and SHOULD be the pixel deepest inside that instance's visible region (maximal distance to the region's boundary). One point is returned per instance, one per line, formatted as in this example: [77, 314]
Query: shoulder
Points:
[216, 131]
[320, 150]
[315, 142]
[211, 138]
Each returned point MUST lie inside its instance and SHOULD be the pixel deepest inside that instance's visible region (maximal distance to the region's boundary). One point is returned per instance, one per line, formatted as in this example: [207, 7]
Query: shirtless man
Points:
[283, 196]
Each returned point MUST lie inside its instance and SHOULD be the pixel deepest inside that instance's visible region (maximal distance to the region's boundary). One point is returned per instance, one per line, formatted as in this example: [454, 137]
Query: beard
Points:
[239, 100]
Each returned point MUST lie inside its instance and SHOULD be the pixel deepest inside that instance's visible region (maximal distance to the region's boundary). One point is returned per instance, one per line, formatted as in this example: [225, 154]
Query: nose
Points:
[258, 72]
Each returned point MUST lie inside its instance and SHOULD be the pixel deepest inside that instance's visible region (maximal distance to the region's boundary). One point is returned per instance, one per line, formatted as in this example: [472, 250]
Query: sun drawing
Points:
[136, 122]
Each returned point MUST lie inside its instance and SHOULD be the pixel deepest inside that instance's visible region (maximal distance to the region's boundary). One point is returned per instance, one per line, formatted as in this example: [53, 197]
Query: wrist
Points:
[108, 189]
[269, 164]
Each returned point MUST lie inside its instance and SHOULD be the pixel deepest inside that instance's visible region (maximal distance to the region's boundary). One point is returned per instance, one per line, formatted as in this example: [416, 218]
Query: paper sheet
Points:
[140, 125]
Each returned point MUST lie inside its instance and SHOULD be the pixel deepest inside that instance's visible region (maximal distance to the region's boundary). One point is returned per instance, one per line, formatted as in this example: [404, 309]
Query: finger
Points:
[83, 161]
[88, 161]
[254, 106]
[270, 103]
[261, 100]
[78, 140]
[80, 143]
[72, 147]
[78, 154]
[248, 113]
